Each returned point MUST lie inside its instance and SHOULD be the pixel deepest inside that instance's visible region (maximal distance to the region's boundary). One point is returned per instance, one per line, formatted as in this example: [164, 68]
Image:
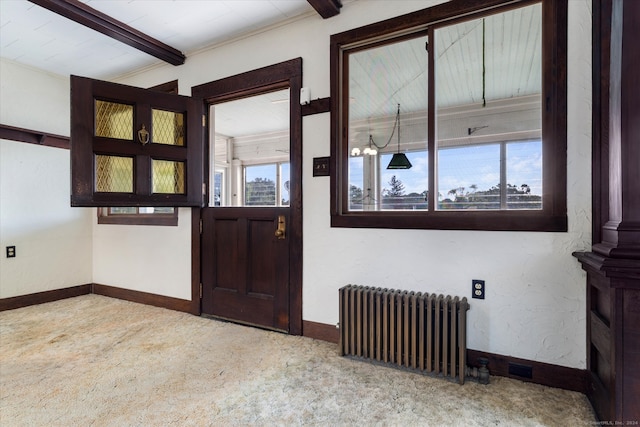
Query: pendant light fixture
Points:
[399, 160]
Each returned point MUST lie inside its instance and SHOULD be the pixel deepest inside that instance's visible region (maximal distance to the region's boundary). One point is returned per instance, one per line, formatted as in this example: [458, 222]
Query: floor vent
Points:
[424, 332]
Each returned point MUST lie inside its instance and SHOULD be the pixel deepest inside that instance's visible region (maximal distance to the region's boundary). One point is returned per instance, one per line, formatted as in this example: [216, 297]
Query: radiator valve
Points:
[481, 373]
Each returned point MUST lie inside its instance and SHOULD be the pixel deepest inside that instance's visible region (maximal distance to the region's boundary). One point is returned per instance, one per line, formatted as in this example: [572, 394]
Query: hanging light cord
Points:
[484, 99]
[396, 124]
[398, 121]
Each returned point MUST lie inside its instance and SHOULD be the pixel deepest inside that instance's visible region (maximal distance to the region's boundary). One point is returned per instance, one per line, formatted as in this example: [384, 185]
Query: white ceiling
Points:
[34, 36]
[385, 76]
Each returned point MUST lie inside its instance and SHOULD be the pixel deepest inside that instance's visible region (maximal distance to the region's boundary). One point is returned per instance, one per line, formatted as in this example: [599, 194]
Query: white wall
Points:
[53, 240]
[154, 259]
[535, 305]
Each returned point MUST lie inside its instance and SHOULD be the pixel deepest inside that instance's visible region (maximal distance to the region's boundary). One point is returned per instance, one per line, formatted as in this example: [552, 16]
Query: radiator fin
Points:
[418, 331]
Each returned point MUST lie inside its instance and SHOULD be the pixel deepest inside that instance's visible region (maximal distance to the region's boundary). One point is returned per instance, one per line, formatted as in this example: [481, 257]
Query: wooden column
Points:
[613, 265]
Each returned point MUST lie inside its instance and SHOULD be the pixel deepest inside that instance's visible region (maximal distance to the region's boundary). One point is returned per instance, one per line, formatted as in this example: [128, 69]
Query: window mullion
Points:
[278, 184]
[143, 174]
[370, 183]
[431, 121]
[503, 175]
[377, 180]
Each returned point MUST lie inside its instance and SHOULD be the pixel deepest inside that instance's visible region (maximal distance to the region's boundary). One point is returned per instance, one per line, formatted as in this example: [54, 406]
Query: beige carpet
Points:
[97, 361]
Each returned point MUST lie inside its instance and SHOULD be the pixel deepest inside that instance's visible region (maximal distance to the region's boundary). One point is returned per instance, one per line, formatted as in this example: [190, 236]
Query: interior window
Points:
[441, 125]
[138, 216]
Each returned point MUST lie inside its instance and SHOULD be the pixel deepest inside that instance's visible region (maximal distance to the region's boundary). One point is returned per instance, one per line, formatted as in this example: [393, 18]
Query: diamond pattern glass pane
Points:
[168, 177]
[168, 127]
[114, 120]
[114, 174]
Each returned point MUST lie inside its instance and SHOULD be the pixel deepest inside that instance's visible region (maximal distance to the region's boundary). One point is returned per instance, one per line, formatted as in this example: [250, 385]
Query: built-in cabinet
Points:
[613, 264]
[613, 336]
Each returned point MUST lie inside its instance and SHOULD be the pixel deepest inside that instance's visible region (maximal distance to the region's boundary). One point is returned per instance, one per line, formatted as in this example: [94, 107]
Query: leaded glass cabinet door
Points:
[134, 147]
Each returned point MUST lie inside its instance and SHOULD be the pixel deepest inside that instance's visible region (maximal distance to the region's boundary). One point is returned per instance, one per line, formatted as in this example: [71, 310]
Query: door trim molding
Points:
[196, 278]
[266, 79]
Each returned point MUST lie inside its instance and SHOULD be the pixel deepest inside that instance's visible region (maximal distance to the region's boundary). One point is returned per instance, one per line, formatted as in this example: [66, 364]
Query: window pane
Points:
[488, 92]
[155, 210]
[469, 177]
[493, 58]
[114, 174]
[141, 210]
[167, 127]
[113, 120]
[387, 115]
[405, 189]
[524, 175]
[162, 210]
[217, 189]
[260, 185]
[167, 177]
[284, 184]
[357, 194]
[122, 211]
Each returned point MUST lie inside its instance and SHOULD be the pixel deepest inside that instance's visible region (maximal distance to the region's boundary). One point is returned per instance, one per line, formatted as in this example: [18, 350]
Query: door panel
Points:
[226, 257]
[245, 266]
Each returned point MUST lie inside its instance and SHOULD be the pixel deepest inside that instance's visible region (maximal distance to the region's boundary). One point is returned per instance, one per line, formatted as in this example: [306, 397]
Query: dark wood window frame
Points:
[553, 216]
[105, 216]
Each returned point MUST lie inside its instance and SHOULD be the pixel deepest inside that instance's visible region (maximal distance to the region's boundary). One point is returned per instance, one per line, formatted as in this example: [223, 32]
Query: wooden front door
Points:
[251, 256]
[246, 265]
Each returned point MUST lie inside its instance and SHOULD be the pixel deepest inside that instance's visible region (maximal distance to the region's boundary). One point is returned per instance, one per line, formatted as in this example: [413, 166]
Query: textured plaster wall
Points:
[53, 240]
[535, 305]
[154, 259]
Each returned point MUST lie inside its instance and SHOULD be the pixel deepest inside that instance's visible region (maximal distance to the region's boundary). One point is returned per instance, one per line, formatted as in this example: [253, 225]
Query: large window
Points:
[452, 118]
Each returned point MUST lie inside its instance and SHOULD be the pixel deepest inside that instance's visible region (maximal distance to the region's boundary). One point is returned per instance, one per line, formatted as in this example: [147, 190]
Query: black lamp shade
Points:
[399, 161]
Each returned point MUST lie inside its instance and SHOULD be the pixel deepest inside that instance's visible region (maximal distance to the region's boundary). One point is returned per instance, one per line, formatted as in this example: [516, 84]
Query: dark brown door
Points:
[245, 265]
[249, 274]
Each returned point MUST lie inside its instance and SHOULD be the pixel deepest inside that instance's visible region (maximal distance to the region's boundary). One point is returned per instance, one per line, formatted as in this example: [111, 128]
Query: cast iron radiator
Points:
[423, 332]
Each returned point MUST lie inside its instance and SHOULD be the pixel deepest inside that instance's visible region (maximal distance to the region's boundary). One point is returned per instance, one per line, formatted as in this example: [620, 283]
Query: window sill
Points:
[481, 221]
[149, 219]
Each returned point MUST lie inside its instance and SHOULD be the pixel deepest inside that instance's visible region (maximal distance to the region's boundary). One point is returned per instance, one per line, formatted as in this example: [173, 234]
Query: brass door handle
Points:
[282, 227]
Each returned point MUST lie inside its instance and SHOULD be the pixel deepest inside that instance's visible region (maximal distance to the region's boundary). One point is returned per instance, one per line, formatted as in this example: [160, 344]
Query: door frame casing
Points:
[287, 74]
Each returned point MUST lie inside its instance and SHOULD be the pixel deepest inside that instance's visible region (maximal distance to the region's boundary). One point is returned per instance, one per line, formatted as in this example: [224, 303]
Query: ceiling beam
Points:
[96, 20]
[326, 8]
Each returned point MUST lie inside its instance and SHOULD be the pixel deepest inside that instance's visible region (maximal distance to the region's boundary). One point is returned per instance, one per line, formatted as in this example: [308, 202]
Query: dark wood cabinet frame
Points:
[85, 145]
[553, 216]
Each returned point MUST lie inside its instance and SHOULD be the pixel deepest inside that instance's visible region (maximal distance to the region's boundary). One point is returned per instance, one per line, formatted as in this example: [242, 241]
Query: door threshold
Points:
[239, 322]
